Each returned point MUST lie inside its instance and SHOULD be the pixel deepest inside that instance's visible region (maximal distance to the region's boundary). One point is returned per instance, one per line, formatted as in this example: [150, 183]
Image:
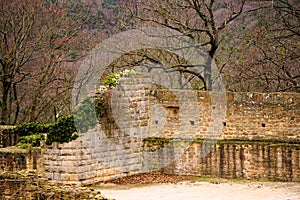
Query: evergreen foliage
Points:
[64, 130]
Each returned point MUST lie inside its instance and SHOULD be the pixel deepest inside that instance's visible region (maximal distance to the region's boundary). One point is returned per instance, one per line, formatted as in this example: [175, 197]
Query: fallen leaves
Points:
[147, 178]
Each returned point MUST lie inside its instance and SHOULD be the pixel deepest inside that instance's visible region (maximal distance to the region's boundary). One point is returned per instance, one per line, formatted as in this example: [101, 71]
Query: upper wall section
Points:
[263, 116]
[247, 116]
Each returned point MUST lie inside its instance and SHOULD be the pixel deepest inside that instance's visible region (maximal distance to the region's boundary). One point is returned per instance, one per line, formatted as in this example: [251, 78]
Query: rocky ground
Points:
[170, 187]
[25, 185]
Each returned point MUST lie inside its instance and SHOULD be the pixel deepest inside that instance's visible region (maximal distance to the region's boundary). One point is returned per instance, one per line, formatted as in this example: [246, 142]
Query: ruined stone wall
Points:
[259, 116]
[13, 159]
[259, 138]
[111, 150]
[7, 137]
[248, 116]
[183, 132]
[227, 159]
[30, 186]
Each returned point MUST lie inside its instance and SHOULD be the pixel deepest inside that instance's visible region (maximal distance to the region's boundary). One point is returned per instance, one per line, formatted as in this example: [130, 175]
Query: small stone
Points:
[99, 197]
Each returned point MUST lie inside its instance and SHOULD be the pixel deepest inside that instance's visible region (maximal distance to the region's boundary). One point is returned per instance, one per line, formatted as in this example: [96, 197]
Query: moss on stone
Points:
[165, 141]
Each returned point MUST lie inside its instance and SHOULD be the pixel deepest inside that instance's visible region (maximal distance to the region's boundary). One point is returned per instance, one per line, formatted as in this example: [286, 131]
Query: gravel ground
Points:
[164, 187]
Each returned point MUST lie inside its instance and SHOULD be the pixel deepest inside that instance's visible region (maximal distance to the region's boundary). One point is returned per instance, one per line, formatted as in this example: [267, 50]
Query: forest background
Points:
[255, 44]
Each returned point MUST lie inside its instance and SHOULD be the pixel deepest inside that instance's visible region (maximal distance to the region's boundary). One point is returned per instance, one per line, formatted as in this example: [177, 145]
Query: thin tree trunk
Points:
[5, 102]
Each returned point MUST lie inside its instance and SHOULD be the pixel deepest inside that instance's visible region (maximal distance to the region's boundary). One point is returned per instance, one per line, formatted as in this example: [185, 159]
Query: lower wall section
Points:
[30, 186]
[228, 159]
[76, 163]
[13, 159]
[92, 158]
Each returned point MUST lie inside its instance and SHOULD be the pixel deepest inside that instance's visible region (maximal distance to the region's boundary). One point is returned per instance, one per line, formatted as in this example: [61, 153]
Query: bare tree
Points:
[267, 58]
[38, 39]
[288, 11]
[201, 20]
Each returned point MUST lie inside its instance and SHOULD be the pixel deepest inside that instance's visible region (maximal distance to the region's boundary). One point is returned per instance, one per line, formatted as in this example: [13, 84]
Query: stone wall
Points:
[14, 159]
[259, 116]
[227, 159]
[7, 137]
[111, 150]
[248, 116]
[248, 135]
[259, 137]
[30, 186]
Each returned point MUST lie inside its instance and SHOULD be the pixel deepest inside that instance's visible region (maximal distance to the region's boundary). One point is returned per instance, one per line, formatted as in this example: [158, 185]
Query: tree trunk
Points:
[5, 115]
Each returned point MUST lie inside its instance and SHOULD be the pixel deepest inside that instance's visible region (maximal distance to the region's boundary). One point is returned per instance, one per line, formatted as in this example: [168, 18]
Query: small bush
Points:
[30, 141]
[26, 129]
[112, 79]
[85, 115]
[64, 130]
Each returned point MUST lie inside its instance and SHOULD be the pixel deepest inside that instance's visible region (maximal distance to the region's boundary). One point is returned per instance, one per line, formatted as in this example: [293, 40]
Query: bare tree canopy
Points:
[38, 38]
[255, 45]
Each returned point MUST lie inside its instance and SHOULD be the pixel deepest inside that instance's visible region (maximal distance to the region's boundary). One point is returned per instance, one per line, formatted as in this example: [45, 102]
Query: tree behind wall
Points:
[259, 40]
[38, 40]
[266, 59]
[201, 20]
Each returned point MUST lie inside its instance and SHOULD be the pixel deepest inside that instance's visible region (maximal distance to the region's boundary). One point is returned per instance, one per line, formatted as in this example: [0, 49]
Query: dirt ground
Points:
[164, 187]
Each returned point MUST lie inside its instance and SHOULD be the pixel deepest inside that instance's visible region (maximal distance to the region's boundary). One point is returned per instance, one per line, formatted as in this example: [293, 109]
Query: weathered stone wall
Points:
[227, 159]
[14, 159]
[258, 136]
[249, 116]
[7, 137]
[111, 150]
[30, 186]
[259, 116]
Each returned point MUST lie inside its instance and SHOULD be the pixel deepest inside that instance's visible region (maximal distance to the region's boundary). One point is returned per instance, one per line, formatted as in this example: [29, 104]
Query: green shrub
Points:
[62, 131]
[66, 128]
[84, 115]
[26, 129]
[30, 141]
[112, 79]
